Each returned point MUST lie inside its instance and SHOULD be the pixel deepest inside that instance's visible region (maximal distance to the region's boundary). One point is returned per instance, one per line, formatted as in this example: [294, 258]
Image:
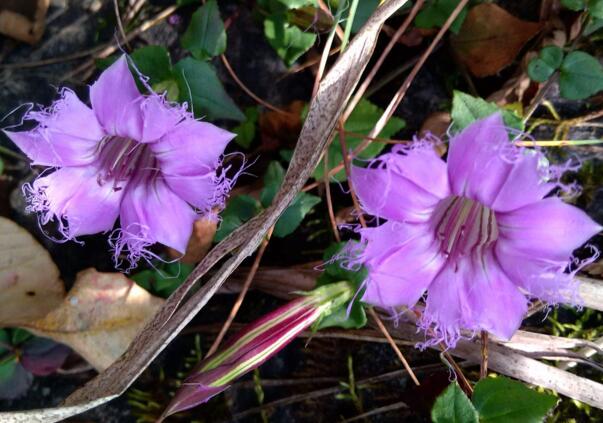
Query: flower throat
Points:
[121, 158]
[464, 226]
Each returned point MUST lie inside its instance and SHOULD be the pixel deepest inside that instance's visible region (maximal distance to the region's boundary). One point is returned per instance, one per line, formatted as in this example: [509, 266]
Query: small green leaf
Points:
[4, 341]
[295, 213]
[7, 368]
[453, 406]
[361, 122]
[246, 130]
[574, 5]
[548, 61]
[238, 211]
[19, 336]
[205, 36]
[592, 26]
[581, 76]
[199, 84]
[163, 280]
[436, 12]
[595, 8]
[170, 87]
[287, 40]
[467, 109]
[154, 62]
[501, 400]
[1, 166]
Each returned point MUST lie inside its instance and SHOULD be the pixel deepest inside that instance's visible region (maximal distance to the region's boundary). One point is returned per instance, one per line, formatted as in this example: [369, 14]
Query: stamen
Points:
[464, 226]
[121, 158]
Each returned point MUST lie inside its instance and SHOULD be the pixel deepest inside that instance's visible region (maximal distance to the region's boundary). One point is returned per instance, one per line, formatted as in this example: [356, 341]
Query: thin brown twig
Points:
[338, 29]
[388, 48]
[332, 219]
[376, 411]
[237, 305]
[465, 385]
[120, 25]
[250, 93]
[348, 171]
[394, 346]
[483, 370]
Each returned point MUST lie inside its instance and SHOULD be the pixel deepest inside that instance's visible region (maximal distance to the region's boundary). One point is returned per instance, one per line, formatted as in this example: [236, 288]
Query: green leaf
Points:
[453, 406]
[1, 166]
[295, 213]
[154, 62]
[205, 36]
[436, 12]
[581, 76]
[19, 336]
[592, 26]
[467, 109]
[334, 272]
[574, 5]
[361, 121]
[4, 341]
[595, 8]
[238, 210]
[8, 366]
[364, 11]
[287, 40]
[548, 61]
[501, 400]
[170, 87]
[246, 130]
[163, 280]
[199, 84]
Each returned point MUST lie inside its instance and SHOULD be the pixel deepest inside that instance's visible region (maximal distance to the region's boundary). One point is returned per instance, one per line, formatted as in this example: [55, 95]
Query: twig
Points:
[250, 93]
[332, 219]
[483, 370]
[376, 411]
[465, 385]
[237, 305]
[393, 345]
[325, 53]
[119, 24]
[388, 48]
[348, 171]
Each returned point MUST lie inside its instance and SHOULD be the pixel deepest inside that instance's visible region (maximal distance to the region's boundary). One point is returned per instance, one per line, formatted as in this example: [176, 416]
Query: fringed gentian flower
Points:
[134, 157]
[477, 234]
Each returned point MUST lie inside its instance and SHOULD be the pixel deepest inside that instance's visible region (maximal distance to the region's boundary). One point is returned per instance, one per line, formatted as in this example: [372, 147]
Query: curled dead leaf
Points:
[281, 130]
[491, 38]
[204, 230]
[100, 316]
[29, 279]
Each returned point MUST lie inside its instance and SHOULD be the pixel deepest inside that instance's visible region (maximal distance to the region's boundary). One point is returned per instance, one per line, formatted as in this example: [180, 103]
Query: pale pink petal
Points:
[117, 102]
[473, 294]
[203, 191]
[67, 134]
[478, 165]
[402, 260]
[524, 184]
[151, 212]
[191, 148]
[547, 229]
[539, 278]
[383, 192]
[75, 195]
[159, 117]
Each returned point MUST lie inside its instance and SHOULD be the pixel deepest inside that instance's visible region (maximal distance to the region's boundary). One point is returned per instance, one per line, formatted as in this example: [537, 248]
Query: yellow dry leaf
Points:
[29, 280]
[100, 316]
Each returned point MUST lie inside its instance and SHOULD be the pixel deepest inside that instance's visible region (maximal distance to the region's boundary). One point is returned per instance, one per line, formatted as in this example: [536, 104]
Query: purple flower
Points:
[137, 158]
[476, 233]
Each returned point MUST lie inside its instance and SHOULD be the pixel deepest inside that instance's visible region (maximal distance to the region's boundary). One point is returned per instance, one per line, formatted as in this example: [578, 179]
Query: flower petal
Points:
[402, 260]
[548, 229]
[540, 278]
[117, 101]
[191, 148]
[151, 212]
[477, 167]
[67, 134]
[159, 117]
[473, 294]
[384, 192]
[524, 184]
[74, 194]
[203, 191]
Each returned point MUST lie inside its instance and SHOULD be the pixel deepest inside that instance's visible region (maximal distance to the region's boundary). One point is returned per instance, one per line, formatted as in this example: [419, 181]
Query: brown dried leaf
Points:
[491, 38]
[29, 279]
[101, 315]
[281, 130]
[23, 20]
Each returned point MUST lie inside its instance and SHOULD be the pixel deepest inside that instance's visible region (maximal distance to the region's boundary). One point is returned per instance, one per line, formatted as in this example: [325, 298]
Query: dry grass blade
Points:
[325, 111]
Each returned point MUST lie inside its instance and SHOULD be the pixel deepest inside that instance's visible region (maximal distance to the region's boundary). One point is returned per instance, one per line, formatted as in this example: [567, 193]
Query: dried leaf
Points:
[29, 279]
[23, 20]
[491, 38]
[280, 130]
[101, 315]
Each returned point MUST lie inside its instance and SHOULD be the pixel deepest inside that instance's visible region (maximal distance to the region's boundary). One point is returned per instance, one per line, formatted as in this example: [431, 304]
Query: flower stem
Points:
[483, 372]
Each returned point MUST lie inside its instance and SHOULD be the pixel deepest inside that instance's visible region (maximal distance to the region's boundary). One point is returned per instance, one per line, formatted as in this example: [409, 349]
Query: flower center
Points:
[121, 158]
[463, 226]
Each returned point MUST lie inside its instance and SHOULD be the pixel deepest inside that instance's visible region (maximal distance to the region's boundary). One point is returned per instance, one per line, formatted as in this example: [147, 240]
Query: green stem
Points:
[348, 24]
